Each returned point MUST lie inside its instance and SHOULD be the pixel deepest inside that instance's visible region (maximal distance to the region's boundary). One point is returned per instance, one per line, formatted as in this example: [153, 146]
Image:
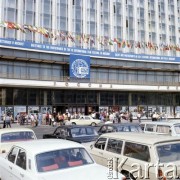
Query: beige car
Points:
[85, 120]
[138, 156]
[171, 127]
[9, 136]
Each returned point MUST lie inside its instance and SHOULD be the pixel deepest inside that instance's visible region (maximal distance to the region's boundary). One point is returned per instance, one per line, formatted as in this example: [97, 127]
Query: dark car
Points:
[124, 127]
[79, 134]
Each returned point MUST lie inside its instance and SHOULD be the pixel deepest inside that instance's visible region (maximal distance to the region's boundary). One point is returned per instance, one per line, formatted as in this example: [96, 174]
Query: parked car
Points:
[162, 127]
[132, 153]
[85, 120]
[48, 159]
[79, 134]
[123, 127]
[9, 136]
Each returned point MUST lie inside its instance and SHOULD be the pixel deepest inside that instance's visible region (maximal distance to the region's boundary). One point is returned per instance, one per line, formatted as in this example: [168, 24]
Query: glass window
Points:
[33, 97]
[137, 151]
[169, 152]
[20, 97]
[163, 129]
[100, 144]
[61, 159]
[177, 129]
[12, 155]
[114, 146]
[150, 127]
[21, 159]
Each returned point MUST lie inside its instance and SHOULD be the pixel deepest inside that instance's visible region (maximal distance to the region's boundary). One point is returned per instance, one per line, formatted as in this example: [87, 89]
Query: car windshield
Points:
[168, 153]
[17, 136]
[177, 128]
[83, 131]
[62, 159]
[129, 128]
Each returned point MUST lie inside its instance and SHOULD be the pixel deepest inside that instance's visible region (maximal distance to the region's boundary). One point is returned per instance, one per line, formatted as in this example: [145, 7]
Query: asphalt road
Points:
[40, 130]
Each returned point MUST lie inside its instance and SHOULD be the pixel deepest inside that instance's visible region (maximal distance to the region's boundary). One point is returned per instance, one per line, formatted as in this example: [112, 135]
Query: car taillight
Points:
[161, 175]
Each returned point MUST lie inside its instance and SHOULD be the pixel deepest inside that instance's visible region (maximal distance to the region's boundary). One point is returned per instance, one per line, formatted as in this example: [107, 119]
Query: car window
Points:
[12, 155]
[17, 136]
[100, 144]
[177, 129]
[114, 146]
[142, 126]
[87, 118]
[21, 159]
[135, 129]
[83, 131]
[150, 127]
[61, 159]
[163, 129]
[168, 152]
[61, 132]
[137, 151]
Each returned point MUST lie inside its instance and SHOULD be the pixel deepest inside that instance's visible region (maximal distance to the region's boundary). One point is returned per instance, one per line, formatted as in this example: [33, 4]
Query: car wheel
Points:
[73, 123]
[128, 175]
[93, 124]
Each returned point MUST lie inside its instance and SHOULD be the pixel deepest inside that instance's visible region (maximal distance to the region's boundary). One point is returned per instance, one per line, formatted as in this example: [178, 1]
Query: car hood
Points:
[88, 172]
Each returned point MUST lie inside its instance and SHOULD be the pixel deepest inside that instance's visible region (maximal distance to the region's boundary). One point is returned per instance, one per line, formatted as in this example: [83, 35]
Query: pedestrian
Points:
[8, 121]
[139, 117]
[130, 117]
[39, 118]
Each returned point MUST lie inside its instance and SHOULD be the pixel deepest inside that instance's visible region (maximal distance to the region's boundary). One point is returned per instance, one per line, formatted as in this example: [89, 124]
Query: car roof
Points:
[169, 123]
[9, 130]
[45, 145]
[144, 138]
[121, 124]
[74, 126]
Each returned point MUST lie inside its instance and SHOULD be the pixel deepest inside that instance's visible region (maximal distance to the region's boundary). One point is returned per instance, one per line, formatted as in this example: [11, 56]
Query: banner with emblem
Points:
[79, 66]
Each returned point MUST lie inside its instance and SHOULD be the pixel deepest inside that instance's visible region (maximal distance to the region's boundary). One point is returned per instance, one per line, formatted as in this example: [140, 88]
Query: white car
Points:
[162, 127]
[85, 120]
[51, 159]
[139, 156]
[9, 136]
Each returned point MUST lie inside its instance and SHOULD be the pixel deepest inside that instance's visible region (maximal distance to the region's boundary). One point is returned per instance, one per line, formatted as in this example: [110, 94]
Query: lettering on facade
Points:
[78, 84]
[100, 85]
[89, 84]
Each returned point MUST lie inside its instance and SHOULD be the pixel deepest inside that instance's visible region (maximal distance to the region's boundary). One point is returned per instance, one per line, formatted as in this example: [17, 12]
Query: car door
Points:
[112, 153]
[97, 150]
[7, 168]
[19, 169]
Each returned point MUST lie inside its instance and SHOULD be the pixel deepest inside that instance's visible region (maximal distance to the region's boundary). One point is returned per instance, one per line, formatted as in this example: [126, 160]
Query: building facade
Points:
[133, 48]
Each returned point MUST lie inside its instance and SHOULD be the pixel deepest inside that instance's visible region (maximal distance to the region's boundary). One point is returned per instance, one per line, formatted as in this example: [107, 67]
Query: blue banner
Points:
[79, 66]
[87, 52]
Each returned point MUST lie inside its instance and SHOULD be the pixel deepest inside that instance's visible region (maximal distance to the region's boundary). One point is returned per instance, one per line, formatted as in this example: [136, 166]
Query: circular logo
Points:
[80, 68]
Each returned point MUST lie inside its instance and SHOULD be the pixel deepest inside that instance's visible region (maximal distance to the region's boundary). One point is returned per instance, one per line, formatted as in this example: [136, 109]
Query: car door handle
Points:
[10, 167]
[22, 175]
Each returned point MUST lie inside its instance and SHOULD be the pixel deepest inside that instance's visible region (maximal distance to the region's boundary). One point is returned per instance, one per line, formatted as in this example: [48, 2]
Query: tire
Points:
[93, 124]
[73, 123]
[128, 175]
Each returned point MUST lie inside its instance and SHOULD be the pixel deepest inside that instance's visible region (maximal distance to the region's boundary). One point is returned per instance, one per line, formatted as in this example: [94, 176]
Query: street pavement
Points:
[47, 129]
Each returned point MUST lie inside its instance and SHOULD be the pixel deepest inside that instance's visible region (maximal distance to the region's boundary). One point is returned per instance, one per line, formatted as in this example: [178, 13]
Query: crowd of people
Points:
[56, 119]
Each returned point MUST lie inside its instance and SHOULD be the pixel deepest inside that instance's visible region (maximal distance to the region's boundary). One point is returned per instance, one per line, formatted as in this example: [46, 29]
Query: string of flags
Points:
[86, 38]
